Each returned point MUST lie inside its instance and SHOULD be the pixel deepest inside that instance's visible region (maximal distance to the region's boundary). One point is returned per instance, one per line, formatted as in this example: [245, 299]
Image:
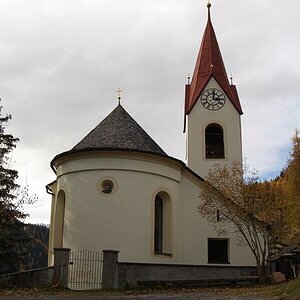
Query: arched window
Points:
[59, 219]
[158, 234]
[214, 141]
[162, 224]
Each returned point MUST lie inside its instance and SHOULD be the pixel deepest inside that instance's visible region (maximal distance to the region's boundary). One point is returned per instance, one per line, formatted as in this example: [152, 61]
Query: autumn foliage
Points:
[288, 186]
[263, 213]
[231, 201]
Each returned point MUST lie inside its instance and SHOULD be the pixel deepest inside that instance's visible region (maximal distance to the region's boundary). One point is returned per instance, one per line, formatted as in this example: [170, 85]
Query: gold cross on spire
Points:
[231, 79]
[119, 91]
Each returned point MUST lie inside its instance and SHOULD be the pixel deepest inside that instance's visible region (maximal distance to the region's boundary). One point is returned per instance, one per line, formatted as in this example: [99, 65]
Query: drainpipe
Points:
[49, 190]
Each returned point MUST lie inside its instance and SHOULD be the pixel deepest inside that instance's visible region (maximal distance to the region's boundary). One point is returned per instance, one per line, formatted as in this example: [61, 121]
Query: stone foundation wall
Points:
[133, 273]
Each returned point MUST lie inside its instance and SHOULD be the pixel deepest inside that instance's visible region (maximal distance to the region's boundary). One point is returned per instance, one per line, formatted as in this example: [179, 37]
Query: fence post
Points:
[110, 269]
[61, 266]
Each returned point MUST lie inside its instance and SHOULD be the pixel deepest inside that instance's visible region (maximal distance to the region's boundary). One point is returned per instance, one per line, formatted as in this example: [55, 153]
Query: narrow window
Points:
[214, 141]
[158, 235]
[218, 215]
[218, 251]
[59, 219]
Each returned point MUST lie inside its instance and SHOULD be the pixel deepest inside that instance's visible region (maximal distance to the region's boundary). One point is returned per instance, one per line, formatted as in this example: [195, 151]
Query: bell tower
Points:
[212, 122]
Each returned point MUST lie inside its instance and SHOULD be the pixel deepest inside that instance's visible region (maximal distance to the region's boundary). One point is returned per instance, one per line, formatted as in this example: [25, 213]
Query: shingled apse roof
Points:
[119, 131]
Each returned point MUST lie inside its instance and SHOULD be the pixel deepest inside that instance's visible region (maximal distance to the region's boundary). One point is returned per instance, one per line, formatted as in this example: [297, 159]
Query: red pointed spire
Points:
[209, 64]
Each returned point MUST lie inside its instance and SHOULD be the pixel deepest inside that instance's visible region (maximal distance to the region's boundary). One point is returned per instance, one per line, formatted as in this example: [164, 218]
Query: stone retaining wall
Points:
[56, 275]
[36, 278]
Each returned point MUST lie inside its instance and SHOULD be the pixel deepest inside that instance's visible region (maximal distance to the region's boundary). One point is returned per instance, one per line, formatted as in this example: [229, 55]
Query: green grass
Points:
[286, 290]
[283, 291]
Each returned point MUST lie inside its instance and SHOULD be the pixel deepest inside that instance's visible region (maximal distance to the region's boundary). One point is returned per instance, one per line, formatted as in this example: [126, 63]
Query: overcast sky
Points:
[61, 62]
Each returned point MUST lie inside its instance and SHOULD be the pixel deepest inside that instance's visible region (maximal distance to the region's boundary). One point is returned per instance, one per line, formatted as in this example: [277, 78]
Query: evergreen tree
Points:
[12, 231]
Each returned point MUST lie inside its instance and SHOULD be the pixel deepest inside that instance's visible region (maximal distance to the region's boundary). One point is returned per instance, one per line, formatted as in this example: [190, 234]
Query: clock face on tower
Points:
[213, 99]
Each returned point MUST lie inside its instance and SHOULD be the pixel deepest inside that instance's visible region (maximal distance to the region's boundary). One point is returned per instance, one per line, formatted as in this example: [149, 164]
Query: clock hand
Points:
[215, 97]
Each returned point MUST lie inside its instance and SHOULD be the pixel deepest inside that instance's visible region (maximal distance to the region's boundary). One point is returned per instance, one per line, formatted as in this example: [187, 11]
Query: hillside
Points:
[37, 248]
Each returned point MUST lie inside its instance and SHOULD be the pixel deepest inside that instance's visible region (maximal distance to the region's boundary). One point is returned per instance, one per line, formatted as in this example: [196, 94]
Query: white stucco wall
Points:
[124, 219]
[197, 121]
[196, 231]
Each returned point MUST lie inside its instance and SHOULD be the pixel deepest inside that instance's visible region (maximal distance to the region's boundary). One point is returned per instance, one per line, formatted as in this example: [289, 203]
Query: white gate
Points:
[85, 270]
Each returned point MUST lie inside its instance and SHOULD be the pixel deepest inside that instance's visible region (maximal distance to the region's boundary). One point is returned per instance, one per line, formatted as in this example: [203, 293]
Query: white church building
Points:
[117, 189]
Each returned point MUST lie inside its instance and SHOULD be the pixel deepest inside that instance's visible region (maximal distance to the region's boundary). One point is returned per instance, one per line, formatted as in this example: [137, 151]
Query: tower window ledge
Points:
[163, 253]
[216, 158]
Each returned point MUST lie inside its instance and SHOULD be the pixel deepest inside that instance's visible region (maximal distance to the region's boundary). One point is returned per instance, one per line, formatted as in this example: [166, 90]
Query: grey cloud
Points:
[61, 62]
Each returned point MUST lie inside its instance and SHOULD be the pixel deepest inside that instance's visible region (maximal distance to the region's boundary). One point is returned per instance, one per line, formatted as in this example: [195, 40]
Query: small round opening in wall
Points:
[107, 186]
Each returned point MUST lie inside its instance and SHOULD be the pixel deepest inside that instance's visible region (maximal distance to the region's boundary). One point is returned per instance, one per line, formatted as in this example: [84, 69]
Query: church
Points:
[117, 189]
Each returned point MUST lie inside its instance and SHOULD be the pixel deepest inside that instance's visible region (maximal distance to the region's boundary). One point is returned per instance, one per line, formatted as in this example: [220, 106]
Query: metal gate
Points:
[85, 270]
